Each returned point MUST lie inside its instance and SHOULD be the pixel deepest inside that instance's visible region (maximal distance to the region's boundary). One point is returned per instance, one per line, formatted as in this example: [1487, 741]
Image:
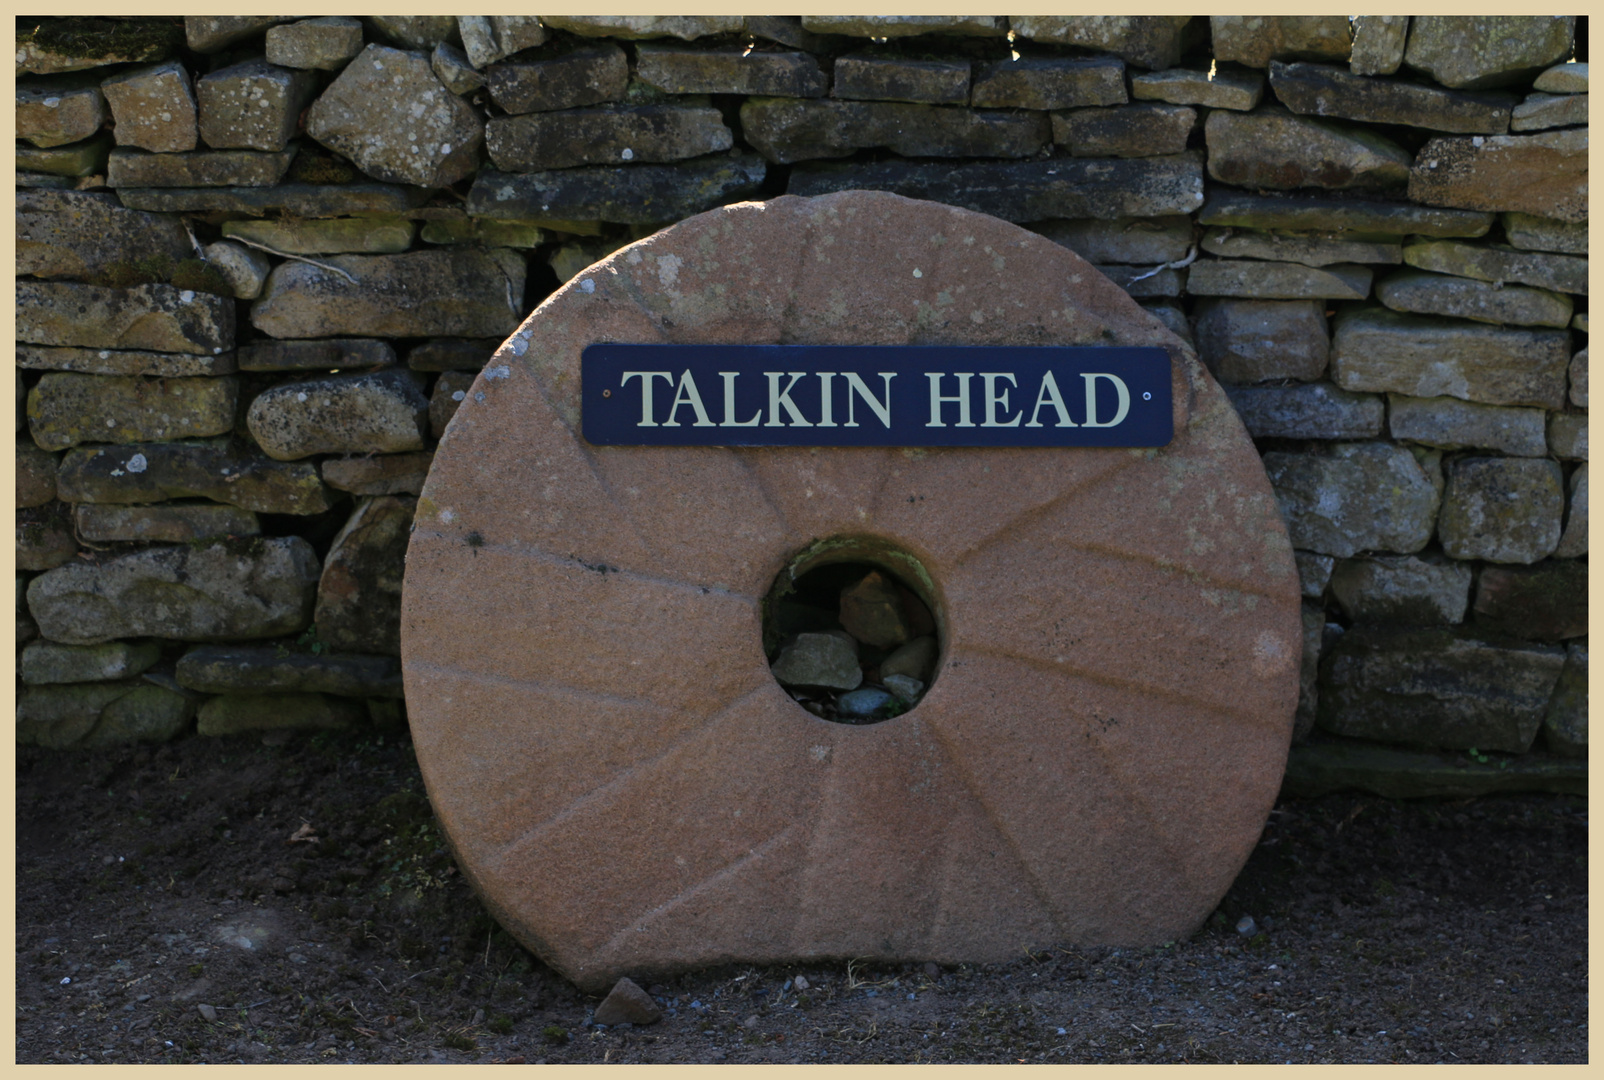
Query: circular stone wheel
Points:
[621, 777]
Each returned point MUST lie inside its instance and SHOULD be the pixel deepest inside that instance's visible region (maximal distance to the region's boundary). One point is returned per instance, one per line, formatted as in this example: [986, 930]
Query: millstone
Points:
[627, 785]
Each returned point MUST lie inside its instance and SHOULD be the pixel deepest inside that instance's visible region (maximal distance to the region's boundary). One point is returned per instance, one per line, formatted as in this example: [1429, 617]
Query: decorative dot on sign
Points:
[1147, 395]
[607, 393]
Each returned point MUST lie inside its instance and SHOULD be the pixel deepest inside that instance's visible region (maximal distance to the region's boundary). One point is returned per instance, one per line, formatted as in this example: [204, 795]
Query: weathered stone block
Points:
[1450, 424]
[1172, 316]
[327, 236]
[897, 26]
[35, 475]
[1573, 542]
[321, 44]
[605, 136]
[91, 43]
[1566, 78]
[1542, 111]
[678, 70]
[67, 408]
[449, 390]
[1278, 281]
[45, 662]
[1545, 602]
[224, 669]
[1426, 293]
[1147, 41]
[97, 714]
[130, 168]
[456, 290]
[1472, 51]
[1534, 233]
[508, 234]
[153, 106]
[1142, 281]
[641, 27]
[1379, 350]
[396, 121]
[453, 354]
[1378, 44]
[635, 194]
[235, 714]
[1567, 436]
[316, 354]
[1272, 148]
[159, 318]
[1314, 573]
[1327, 90]
[1128, 240]
[588, 76]
[46, 168]
[1028, 190]
[252, 105]
[54, 115]
[1309, 673]
[1249, 341]
[44, 540]
[155, 472]
[1577, 374]
[245, 270]
[1436, 687]
[382, 412]
[488, 38]
[299, 200]
[359, 596]
[227, 590]
[867, 77]
[1305, 212]
[380, 474]
[1537, 174]
[1049, 83]
[74, 234]
[1402, 589]
[1565, 722]
[209, 34]
[1500, 263]
[417, 32]
[1355, 497]
[1316, 410]
[1125, 130]
[1310, 249]
[450, 65]
[1255, 40]
[1225, 88]
[169, 523]
[1504, 510]
[788, 129]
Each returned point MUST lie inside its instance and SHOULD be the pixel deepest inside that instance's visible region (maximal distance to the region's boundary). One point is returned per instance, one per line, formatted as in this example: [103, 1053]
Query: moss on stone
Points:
[193, 274]
[314, 168]
[92, 38]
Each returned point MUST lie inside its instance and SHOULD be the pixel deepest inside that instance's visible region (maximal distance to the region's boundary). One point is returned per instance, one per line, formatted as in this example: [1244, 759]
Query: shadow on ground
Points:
[223, 901]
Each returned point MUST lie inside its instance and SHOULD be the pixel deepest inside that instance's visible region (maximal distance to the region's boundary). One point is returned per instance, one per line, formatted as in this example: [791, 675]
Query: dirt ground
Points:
[174, 906]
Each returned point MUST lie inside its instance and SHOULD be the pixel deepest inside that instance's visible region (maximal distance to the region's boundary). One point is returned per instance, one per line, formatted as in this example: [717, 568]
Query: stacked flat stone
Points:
[262, 262]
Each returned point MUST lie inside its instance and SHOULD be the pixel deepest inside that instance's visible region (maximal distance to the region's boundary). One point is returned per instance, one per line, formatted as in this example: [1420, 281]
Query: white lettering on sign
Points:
[996, 407]
[1091, 398]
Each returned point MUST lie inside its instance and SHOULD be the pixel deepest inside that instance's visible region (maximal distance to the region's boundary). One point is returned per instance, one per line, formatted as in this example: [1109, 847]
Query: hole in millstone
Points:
[852, 630]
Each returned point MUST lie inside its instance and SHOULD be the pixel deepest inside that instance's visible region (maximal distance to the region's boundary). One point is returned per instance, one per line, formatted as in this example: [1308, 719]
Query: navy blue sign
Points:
[875, 395]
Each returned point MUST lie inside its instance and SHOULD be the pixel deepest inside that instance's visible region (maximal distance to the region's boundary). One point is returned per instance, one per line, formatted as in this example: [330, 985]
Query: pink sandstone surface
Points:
[621, 777]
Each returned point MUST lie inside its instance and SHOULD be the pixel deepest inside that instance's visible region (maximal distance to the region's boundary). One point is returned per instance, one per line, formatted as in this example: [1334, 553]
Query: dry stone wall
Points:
[261, 260]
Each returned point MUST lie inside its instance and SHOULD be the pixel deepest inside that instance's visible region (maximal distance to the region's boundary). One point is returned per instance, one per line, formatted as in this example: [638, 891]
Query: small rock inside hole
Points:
[855, 644]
